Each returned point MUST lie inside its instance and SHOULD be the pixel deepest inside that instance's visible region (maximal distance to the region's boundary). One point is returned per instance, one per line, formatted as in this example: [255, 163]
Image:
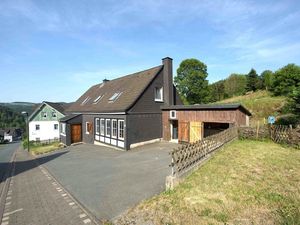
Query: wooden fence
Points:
[186, 157]
[285, 134]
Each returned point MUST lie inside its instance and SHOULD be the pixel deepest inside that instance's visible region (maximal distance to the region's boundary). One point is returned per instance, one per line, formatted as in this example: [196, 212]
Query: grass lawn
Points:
[247, 182]
[260, 103]
[41, 149]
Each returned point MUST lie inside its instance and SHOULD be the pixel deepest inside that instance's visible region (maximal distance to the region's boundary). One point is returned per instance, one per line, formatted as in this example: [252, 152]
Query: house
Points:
[44, 121]
[190, 123]
[124, 112]
[12, 134]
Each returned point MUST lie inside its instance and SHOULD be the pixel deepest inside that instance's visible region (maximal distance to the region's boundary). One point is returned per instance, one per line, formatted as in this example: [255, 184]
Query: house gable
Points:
[46, 109]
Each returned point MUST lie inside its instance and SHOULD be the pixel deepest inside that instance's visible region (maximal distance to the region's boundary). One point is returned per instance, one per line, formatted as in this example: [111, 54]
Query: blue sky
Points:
[54, 50]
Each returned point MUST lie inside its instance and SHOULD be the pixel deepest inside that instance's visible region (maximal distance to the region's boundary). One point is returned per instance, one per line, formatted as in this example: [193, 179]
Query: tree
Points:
[267, 79]
[217, 91]
[294, 102]
[252, 81]
[191, 81]
[235, 84]
[286, 80]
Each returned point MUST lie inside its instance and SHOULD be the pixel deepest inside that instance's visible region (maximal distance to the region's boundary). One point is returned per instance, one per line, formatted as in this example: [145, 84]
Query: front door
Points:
[76, 133]
[174, 131]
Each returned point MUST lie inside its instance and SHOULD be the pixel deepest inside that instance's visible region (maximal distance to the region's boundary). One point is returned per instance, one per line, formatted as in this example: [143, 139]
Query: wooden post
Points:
[257, 129]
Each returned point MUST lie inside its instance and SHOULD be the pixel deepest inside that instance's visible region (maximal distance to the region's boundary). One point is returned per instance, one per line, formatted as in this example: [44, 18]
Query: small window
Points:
[88, 128]
[85, 100]
[114, 128]
[107, 128]
[172, 114]
[115, 96]
[55, 126]
[121, 129]
[37, 127]
[97, 126]
[63, 128]
[54, 114]
[44, 114]
[158, 94]
[96, 100]
[102, 126]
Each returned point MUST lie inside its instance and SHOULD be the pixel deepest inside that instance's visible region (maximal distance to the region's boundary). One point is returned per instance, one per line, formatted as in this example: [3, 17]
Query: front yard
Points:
[37, 149]
[248, 182]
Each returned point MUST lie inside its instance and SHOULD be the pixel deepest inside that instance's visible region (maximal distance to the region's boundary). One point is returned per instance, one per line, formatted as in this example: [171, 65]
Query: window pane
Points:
[97, 126]
[114, 128]
[108, 128]
[102, 125]
[121, 129]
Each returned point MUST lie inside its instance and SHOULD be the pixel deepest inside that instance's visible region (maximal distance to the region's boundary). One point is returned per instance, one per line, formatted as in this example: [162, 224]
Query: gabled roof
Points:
[208, 107]
[126, 89]
[69, 117]
[59, 106]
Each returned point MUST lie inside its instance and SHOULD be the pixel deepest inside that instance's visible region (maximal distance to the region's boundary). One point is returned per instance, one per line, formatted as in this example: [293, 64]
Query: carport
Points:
[190, 123]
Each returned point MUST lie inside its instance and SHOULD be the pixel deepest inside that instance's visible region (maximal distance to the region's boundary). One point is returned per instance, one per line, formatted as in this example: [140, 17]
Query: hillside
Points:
[10, 118]
[261, 104]
[19, 107]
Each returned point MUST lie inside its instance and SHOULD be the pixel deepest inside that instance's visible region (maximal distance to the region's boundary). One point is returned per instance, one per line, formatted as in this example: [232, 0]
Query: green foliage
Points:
[235, 85]
[252, 81]
[217, 91]
[191, 81]
[294, 102]
[267, 77]
[286, 80]
[9, 118]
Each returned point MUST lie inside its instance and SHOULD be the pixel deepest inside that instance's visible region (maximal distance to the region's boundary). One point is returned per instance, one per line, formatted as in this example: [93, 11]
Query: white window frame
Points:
[54, 114]
[102, 131]
[119, 132]
[38, 126]
[44, 114]
[171, 116]
[106, 133]
[97, 127]
[63, 129]
[112, 128]
[87, 128]
[55, 125]
[161, 94]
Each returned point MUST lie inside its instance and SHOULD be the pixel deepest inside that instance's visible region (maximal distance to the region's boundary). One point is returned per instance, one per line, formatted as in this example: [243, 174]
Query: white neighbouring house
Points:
[44, 121]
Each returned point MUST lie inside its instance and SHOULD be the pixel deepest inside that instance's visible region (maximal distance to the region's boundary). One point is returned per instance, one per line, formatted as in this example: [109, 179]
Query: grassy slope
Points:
[248, 181]
[260, 103]
[41, 149]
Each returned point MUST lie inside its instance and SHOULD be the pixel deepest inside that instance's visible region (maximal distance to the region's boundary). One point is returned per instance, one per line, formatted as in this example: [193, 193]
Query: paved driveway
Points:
[108, 181]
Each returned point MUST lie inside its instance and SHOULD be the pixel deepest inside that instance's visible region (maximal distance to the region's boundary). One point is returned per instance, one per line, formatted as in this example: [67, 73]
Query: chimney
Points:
[105, 80]
[168, 90]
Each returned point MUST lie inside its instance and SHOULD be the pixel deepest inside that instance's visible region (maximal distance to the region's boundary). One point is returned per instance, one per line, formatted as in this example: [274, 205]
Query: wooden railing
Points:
[186, 157]
[281, 133]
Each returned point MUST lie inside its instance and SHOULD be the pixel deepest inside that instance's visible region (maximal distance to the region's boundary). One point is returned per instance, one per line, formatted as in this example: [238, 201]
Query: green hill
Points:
[10, 118]
[260, 103]
[19, 107]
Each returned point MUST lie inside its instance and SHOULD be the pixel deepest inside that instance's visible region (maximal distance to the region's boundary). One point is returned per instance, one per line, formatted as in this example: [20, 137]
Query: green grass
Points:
[44, 148]
[248, 182]
[260, 103]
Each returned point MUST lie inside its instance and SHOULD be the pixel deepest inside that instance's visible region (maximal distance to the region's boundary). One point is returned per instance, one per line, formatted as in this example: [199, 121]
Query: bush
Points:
[288, 120]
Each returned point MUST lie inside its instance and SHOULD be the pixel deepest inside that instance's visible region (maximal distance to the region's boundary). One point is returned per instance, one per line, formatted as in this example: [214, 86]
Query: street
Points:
[6, 152]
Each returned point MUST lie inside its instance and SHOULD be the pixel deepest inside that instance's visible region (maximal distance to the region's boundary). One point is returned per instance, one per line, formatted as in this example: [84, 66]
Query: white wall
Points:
[46, 130]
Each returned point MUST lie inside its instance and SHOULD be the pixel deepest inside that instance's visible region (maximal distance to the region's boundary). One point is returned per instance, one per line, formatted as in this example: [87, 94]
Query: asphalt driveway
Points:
[107, 181]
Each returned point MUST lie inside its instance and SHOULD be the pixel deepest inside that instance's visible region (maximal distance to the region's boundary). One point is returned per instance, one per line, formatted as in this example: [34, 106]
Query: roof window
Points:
[115, 96]
[85, 100]
[96, 100]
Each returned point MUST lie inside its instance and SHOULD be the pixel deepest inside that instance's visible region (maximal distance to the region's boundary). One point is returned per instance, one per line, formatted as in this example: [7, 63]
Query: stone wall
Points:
[260, 133]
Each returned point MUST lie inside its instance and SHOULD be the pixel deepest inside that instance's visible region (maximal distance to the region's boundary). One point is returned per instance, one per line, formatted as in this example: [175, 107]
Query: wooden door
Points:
[183, 132]
[196, 131]
[75, 133]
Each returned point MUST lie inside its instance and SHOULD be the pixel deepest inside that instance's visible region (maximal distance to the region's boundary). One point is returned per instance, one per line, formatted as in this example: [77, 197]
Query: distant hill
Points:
[10, 118]
[260, 103]
[19, 107]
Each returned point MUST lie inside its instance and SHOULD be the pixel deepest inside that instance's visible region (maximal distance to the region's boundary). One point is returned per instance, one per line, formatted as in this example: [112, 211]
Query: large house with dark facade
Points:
[123, 112]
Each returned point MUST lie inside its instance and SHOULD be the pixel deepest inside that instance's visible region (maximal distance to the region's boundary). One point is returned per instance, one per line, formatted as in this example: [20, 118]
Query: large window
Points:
[97, 125]
[121, 129]
[114, 128]
[107, 128]
[102, 126]
[158, 94]
[37, 127]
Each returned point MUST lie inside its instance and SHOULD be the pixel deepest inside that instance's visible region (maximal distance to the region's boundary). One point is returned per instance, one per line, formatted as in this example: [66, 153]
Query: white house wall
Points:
[45, 132]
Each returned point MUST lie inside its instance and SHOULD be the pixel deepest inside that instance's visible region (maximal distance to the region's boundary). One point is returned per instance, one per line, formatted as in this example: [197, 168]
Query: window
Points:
[63, 128]
[173, 114]
[114, 128]
[121, 129]
[96, 100]
[54, 114]
[37, 127]
[88, 127]
[55, 126]
[97, 126]
[85, 100]
[102, 126]
[158, 94]
[108, 127]
[115, 96]
[44, 114]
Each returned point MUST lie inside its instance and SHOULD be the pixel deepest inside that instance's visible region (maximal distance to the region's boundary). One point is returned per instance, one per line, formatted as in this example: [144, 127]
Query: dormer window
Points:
[115, 96]
[98, 99]
[158, 93]
[85, 100]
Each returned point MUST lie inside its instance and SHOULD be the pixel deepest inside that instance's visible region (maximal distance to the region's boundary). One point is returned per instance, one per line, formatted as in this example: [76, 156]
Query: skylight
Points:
[97, 99]
[85, 100]
[115, 96]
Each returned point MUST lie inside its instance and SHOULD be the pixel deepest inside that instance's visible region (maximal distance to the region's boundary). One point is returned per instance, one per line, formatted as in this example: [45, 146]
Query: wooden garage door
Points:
[76, 133]
[196, 131]
[183, 132]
